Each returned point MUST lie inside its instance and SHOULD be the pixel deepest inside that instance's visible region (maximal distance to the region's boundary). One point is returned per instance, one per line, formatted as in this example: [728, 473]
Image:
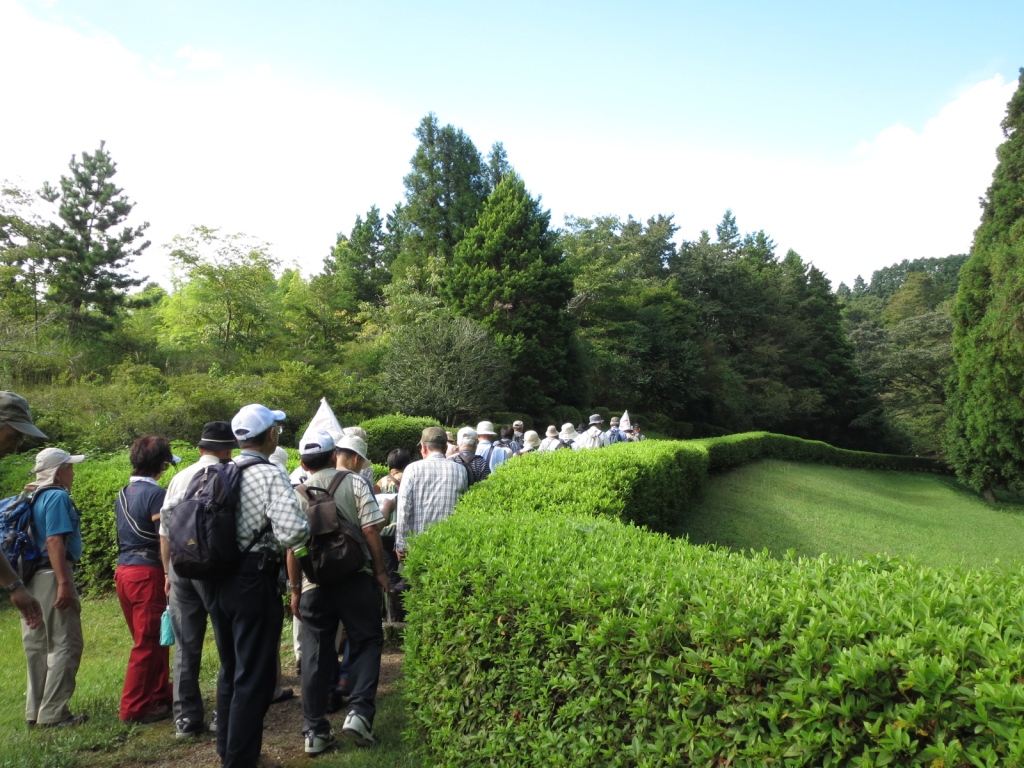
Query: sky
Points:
[857, 134]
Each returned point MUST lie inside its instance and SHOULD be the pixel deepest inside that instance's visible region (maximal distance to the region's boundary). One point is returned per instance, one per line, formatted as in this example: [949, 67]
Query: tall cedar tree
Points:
[984, 441]
[86, 255]
[509, 273]
[444, 194]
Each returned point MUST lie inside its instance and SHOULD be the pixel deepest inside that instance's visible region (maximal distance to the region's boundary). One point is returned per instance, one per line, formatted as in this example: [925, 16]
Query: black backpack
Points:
[202, 528]
[335, 544]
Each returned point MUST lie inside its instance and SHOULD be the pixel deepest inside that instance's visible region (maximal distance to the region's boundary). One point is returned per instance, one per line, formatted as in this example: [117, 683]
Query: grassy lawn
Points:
[813, 509]
[105, 741]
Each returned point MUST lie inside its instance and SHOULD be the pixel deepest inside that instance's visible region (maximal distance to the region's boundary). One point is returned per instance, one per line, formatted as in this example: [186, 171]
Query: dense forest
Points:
[464, 300]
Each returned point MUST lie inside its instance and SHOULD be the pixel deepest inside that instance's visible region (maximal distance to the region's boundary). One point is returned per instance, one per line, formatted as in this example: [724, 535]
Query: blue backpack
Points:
[16, 539]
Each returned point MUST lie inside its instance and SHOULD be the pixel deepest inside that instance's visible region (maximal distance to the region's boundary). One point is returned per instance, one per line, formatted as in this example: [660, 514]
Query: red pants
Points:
[147, 683]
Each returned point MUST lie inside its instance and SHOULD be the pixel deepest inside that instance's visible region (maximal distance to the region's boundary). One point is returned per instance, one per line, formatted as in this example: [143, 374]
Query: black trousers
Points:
[356, 603]
[246, 613]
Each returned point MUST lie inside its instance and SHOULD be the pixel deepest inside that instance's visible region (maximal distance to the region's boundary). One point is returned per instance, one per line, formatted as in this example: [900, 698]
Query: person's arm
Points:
[294, 582]
[20, 596]
[377, 553]
[59, 561]
[165, 556]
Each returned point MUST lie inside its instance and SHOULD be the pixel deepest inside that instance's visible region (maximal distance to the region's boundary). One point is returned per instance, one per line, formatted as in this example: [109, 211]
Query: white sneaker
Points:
[357, 729]
[319, 742]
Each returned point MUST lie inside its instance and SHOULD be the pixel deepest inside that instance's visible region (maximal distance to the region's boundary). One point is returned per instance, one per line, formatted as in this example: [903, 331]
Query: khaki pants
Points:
[53, 651]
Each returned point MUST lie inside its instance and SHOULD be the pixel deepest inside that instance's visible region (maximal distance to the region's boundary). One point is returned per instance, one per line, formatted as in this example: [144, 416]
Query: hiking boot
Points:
[319, 742]
[184, 728]
[213, 721]
[357, 728]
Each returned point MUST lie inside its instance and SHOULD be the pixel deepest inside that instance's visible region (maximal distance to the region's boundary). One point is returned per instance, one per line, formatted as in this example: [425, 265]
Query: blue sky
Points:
[857, 134]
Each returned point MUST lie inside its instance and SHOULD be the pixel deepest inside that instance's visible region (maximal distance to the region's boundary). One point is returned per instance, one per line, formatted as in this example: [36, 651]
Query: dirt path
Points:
[282, 728]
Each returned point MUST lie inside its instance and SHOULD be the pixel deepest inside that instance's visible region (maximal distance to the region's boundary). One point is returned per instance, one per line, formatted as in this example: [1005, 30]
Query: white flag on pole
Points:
[323, 421]
[624, 423]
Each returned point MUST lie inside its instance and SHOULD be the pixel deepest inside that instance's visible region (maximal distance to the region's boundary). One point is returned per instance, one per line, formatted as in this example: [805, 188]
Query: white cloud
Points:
[199, 59]
[248, 150]
[902, 195]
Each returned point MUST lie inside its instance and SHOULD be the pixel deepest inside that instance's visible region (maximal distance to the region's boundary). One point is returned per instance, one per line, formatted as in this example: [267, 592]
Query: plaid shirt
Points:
[266, 495]
[428, 493]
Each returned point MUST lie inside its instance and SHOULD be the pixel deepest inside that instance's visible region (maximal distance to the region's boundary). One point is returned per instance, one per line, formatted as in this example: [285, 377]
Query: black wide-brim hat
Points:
[217, 436]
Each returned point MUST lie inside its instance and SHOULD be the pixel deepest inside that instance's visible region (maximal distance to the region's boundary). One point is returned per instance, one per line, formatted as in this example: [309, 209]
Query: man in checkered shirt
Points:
[429, 489]
[245, 608]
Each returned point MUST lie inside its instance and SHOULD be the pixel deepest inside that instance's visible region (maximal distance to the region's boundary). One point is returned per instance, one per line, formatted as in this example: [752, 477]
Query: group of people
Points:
[245, 607]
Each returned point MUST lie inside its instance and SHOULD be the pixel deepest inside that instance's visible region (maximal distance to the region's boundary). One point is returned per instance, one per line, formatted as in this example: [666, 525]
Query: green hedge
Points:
[546, 629]
[385, 433]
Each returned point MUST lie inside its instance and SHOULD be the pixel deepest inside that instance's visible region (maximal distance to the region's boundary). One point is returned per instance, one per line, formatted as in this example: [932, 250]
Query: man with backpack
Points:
[592, 437]
[188, 610]
[476, 466]
[245, 604]
[495, 453]
[336, 499]
[15, 424]
[614, 434]
[53, 650]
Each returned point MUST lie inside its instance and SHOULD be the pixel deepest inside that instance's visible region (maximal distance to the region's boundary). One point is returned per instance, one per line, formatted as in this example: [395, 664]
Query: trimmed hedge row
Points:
[545, 631]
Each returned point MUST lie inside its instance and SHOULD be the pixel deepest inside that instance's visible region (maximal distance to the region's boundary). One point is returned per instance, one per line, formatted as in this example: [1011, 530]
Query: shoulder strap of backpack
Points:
[337, 480]
[467, 465]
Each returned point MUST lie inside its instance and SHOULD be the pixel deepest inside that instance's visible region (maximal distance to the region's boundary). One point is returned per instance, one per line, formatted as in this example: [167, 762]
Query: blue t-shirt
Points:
[53, 514]
[138, 539]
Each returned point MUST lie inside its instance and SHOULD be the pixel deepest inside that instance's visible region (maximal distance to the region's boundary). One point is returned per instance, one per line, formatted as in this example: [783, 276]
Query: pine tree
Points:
[984, 441]
[509, 274]
[86, 255]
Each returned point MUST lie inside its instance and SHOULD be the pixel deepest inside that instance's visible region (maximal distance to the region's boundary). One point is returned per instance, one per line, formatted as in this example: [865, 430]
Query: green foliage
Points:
[566, 413]
[508, 273]
[570, 638]
[984, 441]
[444, 193]
[86, 256]
[445, 366]
[360, 261]
[385, 433]
[106, 416]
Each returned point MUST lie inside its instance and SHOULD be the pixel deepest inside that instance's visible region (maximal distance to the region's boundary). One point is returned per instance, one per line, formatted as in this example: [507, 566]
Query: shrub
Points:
[546, 628]
[385, 433]
[564, 413]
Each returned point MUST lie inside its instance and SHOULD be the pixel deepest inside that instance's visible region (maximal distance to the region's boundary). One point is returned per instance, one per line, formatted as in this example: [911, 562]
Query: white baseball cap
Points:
[316, 442]
[51, 458]
[253, 420]
[467, 435]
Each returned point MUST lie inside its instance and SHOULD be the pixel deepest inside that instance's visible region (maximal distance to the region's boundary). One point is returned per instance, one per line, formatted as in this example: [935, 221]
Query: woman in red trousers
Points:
[139, 577]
